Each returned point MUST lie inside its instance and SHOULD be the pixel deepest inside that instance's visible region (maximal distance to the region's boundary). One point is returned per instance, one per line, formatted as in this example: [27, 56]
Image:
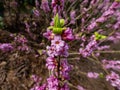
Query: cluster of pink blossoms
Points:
[114, 79]
[88, 48]
[37, 86]
[105, 16]
[58, 6]
[6, 47]
[59, 68]
[111, 64]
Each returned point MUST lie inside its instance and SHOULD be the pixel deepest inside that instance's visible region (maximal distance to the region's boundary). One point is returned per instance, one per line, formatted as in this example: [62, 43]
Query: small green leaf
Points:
[57, 21]
[50, 27]
[101, 75]
[40, 51]
[103, 37]
[57, 30]
[62, 22]
[99, 36]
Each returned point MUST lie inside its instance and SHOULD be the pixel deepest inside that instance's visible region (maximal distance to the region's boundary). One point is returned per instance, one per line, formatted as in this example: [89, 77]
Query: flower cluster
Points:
[45, 5]
[90, 47]
[6, 47]
[58, 67]
[115, 37]
[58, 47]
[107, 14]
[53, 83]
[37, 80]
[58, 6]
[21, 43]
[111, 64]
[114, 79]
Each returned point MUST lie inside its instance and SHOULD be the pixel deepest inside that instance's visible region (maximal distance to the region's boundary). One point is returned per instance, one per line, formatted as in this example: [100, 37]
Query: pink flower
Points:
[114, 79]
[68, 34]
[111, 64]
[6, 47]
[80, 87]
[49, 35]
[65, 69]
[51, 51]
[72, 16]
[51, 63]
[36, 12]
[52, 83]
[92, 75]
[45, 6]
[57, 42]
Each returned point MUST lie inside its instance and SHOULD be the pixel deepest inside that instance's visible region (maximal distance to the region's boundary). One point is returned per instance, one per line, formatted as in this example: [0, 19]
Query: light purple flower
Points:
[49, 35]
[114, 79]
[72, 17]
[57, 42]
[90, 47]
[93, 75]
[52, 83]
[20, 39]
[36, 85]
[111, 64]
[45, 6]
[101, 19]
[37, 3]
[6, 47]
[115, 38]
[36, 12]
[57, 6]
[64, 50]
[65, 69]
[68, 34]
[23, 48]
[51, 51]
[80, 87]
[51, 63]
[92, 25]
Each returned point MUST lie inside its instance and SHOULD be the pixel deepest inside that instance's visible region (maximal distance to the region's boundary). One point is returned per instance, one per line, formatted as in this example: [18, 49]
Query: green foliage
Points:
[58, 25]
[99, 36]
[101, 75]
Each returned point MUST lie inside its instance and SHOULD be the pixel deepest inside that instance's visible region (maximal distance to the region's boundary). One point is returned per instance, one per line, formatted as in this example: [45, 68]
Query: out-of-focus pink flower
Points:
[92, 75]
[6, 47]
[80, 87]
[37, 81]
[72, 17]
[45, 6]
[49, 35]
[36, 12]
[114, 79]
[115, 38]
[90, 47]
[111, 64]
[37, 3]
